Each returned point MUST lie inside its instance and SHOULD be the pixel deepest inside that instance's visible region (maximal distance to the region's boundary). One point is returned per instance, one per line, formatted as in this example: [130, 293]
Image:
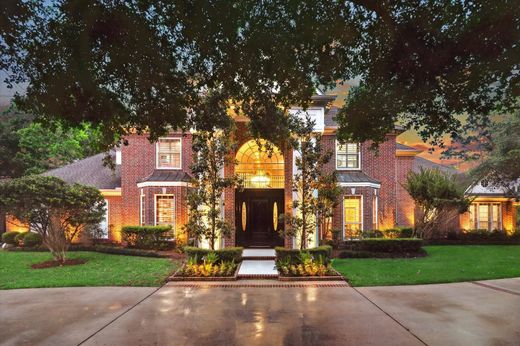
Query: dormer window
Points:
[348, 156]
[169, 153]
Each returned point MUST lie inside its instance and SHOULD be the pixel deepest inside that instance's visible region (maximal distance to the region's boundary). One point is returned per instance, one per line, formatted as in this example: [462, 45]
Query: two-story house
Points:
[151, 181]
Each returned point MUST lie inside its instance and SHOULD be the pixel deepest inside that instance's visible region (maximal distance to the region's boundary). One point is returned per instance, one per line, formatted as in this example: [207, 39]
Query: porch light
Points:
[260, 179]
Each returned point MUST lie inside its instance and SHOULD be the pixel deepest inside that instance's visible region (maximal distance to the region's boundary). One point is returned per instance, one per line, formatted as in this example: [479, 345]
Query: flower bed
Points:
[312, 264]
[212, 266]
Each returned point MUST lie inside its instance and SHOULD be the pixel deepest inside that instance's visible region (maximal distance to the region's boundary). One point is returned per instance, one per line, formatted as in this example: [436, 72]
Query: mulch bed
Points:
[53, 263]
[334, 276]
[177, 276]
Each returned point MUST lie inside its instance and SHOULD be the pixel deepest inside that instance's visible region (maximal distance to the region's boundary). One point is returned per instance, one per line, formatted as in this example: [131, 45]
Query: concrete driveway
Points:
[486, 313]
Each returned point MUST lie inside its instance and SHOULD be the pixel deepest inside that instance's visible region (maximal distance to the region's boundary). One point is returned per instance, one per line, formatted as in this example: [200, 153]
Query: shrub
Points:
[9, 237]
[147, 237]
[32, 239]
[399, 245]
[483, 235]
[372, 233]
[294, 255]
[18, 240]
[227, 254]
[125, 251]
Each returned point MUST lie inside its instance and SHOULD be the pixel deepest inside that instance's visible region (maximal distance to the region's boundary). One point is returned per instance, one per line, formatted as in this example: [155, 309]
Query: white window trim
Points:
[142, 202]
[107, 214]
[343, 213]
[375, 213]
[174, 209]
[490, 216]
[336, 157]
[163, 183]
[157, 154]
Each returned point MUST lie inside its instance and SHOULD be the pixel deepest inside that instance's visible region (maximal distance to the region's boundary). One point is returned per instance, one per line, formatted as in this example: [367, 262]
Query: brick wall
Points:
[115, 217]
[405, 207]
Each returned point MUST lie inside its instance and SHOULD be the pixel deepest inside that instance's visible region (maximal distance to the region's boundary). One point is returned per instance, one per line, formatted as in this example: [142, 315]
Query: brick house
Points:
[151, 181]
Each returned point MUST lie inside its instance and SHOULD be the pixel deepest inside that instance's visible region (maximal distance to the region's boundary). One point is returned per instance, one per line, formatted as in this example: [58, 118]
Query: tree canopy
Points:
[142, 64]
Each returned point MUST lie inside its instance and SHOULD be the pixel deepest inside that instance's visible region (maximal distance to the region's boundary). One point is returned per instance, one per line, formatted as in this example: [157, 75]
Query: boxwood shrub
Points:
[29, 239]
[18, 240]
[226, 254]
[9, 237]
[147, 237]
[398, 245]
[325, 251]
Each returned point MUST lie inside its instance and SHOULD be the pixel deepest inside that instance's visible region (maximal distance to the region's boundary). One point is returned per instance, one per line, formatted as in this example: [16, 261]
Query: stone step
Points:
[258, 254]
[257, 269]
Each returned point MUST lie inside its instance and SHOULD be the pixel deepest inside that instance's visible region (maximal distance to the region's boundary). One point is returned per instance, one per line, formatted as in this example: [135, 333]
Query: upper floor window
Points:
[348, 156]
[169, 153]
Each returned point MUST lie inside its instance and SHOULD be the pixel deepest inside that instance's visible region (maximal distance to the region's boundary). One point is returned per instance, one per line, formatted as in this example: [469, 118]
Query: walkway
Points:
[258, 264]
[481, 313]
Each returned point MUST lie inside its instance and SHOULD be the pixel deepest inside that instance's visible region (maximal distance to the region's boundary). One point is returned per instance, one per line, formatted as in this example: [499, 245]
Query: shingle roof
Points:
[89, 171]
[400, 146]
[420, 162]
[355, 177]
[167, 175]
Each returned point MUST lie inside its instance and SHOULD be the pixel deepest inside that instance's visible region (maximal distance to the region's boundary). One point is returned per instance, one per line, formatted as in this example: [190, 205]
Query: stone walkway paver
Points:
[262, 268]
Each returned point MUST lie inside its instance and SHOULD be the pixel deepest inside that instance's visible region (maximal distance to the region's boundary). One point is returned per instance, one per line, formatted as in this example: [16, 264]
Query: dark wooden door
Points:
[256, 212]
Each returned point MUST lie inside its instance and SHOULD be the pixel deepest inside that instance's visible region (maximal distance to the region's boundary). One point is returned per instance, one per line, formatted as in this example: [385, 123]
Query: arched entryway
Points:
[259, 205]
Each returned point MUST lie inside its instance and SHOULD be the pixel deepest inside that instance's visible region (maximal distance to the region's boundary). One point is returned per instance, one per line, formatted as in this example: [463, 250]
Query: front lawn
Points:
[443, 264]
[100, 270]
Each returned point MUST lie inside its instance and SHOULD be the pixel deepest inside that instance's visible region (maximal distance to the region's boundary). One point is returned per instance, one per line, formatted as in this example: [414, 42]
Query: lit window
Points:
[485, 216]
[165, 210]
[375, 221]
[169, 153]
[347, 156]
[352, 216]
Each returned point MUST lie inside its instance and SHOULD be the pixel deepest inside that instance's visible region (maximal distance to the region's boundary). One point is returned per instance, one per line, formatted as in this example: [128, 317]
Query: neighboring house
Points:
[493, 208]
[151, 181]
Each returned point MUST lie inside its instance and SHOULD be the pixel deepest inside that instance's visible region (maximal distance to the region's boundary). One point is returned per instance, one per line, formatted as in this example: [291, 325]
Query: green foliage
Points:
[97, 61]
[209, 268]
[310, 209]
[297, 256]
[10, 237]
[500, 166]
[227, 254]
[399, 232]
[10, 123]
[398, 245]
[484, 235]
[32, 239]
[19, 238]
[58, 211]
[440, 199]
[147, 237]
[115, 250]
[211, 152]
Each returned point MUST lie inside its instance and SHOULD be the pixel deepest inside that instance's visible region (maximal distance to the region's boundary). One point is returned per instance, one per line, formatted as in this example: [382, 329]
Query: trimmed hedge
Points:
[125, 251]
[367, 254]
[10, 237]
[398, 245]
[31, 239]
[147, 237]
[399, 232]
[483, 235]
[227, 254]
[325, 251]
[19, 238]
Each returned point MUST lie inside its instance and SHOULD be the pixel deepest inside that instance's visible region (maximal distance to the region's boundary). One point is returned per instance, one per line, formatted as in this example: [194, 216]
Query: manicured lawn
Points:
[100, 270]
[443, 264]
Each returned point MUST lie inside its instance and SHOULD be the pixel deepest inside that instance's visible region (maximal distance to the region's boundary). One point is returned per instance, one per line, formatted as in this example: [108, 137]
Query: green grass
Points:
[443, 264]
[100, 270]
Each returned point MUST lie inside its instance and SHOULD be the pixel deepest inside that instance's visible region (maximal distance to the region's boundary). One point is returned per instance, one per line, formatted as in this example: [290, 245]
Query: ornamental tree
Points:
[439, 197]
[306, 182]
[57, 211]
[327, 200]
[211, 153]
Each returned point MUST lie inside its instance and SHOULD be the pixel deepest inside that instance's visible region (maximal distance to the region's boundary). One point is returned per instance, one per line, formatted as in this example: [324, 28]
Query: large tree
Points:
[142, 64]
[58, 211]
[500, 167]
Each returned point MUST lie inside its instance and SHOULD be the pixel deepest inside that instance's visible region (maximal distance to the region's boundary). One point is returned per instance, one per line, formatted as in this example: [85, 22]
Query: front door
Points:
[257, 214]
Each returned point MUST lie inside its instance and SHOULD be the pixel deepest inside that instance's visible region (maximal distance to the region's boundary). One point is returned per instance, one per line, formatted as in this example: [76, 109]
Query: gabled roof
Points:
[89, 171]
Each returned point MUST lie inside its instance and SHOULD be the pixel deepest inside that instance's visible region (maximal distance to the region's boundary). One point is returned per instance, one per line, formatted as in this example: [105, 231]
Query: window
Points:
[143, 210]
[103, 225]
[169, 153]
[348, 156]
[165, 210]
[352, 216]
[485, 216]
